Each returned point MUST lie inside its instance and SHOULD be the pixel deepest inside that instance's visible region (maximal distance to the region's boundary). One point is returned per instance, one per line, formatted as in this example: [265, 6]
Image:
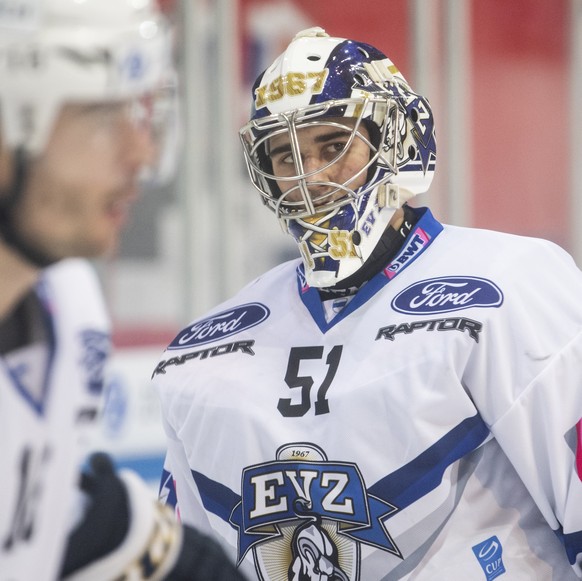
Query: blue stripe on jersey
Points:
[401, 488]
[423, 474]
[216, 497]
[167, 490]
[38, 400]
[572, 543]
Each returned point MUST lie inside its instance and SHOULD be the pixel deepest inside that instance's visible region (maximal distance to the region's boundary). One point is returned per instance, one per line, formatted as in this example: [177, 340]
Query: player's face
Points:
[80, 189]
[322, 152]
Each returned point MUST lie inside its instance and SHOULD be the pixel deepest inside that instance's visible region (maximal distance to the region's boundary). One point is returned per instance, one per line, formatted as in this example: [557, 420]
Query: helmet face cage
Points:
[337, 230]
[256, 138]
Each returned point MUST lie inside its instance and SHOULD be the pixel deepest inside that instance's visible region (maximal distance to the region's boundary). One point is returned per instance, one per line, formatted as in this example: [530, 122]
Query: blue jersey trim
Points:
[572, 543]
[423, 474]
[37, 403]
[430, 229]
[216, 497]
[400, 489]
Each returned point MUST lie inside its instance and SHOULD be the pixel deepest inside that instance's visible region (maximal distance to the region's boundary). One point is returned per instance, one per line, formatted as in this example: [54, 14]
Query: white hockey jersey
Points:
[48, 399]
[427, 429]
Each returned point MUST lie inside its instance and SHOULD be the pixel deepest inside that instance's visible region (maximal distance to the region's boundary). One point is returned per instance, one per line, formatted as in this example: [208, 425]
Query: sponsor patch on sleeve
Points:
[446, 294]
[221, 325]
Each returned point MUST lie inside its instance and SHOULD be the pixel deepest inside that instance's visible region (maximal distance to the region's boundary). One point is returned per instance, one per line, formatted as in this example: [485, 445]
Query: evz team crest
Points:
[304, 517]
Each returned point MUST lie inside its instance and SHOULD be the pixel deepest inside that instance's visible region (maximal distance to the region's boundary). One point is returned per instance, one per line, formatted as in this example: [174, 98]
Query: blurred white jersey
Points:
[48, 397]
[426, 429]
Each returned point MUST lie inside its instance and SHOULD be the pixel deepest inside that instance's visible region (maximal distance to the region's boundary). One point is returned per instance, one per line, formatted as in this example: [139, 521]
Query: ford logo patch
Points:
[446, 294]
[221, 325]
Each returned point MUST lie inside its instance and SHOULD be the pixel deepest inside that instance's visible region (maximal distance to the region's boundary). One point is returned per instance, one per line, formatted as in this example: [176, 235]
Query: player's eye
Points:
[332, 150]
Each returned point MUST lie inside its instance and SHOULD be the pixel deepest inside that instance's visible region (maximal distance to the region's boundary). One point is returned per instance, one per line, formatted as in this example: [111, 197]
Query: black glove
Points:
[127, 533]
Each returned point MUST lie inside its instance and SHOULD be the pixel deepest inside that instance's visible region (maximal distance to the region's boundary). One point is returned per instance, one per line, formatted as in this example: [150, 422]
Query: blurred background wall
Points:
[504, 79]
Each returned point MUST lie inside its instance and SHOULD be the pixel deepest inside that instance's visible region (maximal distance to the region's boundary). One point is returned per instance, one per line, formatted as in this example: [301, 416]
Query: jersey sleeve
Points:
[167, 490]
[540, 435]
[176, 475]
[532, 396]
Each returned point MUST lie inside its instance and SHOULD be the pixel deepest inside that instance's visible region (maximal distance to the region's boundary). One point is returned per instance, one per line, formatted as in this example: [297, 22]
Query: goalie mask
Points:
[337, 142]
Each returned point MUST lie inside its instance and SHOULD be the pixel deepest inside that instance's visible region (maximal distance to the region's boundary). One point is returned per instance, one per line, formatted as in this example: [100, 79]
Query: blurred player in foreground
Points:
[404, 401]
[81, 87]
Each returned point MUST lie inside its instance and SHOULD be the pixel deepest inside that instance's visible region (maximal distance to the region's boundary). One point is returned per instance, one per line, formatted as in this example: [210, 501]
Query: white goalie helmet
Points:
[326, 82]
[54, 52]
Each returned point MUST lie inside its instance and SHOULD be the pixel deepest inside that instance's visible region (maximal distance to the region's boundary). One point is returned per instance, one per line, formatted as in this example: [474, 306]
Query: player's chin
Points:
[117, 213]
[100, 243]
[104, 239]
[108, 245]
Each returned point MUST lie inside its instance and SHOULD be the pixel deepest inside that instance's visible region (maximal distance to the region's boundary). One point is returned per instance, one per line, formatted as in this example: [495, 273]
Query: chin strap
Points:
[9, 198]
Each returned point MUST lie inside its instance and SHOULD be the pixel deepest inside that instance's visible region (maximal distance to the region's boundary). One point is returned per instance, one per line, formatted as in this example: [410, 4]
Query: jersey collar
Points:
[426, 229]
